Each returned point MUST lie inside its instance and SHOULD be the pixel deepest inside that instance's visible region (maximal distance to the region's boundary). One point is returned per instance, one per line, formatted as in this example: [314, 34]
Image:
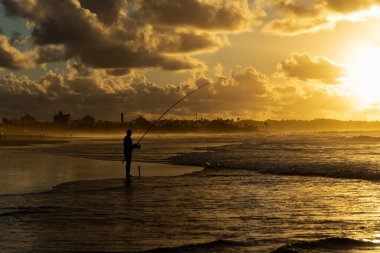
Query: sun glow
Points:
[364, 73]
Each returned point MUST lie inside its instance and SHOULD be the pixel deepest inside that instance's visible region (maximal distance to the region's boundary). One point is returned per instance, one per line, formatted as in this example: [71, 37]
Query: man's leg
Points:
[128, 169]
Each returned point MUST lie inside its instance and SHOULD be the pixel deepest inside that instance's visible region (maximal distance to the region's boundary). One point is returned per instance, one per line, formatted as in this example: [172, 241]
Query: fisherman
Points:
[128, 148]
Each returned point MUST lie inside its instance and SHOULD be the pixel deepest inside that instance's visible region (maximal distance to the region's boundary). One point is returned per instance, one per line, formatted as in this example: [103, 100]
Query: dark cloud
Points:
[84, 86]
[20, 85]
[350, 6]
[54, 86]
[119, 72]
[121, 34]
[80, 92]
[208, 15]
[242, 92]
[12, 58]
[294, 17]
[305, 67]
[170, 41]
[120, 56]
[299, 8]
[107, 11]
[48, 54]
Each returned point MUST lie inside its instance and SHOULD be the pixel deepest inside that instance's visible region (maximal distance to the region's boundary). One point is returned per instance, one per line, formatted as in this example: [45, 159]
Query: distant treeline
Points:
[28, 125]
[88, 124]
[312, 125]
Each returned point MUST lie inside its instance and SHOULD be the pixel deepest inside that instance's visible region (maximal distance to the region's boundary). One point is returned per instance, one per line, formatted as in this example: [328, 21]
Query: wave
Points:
[360, 138]
[315, 167]
[356, 159]
[201, 247]
[332, 244]
[17, 211]
[329, 171]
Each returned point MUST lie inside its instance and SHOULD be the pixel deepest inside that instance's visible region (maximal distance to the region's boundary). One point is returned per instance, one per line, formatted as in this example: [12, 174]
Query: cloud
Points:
[121, 34]
[11, 57]
[47, 54]
[350, 6]
[241, 92]
[292, 17]
[120, 56]
[107, 12]
[305, 67]
[79, 91]
[295, 26]
[313, 104]
[118, 71]
[11, 84]
[185, 42]
[17, 39]
[103, 42]
[244, 91]
[221, 15]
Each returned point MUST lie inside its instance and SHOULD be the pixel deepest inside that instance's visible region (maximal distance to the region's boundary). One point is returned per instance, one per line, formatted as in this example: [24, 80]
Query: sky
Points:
[261, 59]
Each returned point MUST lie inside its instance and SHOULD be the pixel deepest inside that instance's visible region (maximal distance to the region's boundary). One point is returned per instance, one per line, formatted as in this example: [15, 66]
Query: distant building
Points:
[10, 121]
[27, 119]
[140, 122]
[88, 121]
[6, 121]
[61, 119]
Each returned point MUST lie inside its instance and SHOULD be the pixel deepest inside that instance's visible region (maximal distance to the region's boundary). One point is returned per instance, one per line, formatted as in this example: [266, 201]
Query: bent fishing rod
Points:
[171, 107]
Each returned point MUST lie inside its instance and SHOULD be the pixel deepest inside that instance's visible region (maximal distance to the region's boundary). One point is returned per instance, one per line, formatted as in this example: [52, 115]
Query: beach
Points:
[31, 172]
[258, 122]
[218, 209]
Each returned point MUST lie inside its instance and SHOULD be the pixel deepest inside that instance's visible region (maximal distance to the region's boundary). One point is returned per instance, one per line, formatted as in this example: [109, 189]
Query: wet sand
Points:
[23, 141]
[26, 172]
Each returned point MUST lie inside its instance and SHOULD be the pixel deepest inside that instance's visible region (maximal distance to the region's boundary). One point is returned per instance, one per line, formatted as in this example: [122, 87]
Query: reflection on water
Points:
[30, 172]
[25, 172]
[295, 193]
[212, 211]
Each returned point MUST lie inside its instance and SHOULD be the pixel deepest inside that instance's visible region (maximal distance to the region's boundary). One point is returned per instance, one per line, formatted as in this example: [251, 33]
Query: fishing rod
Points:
[171, 107]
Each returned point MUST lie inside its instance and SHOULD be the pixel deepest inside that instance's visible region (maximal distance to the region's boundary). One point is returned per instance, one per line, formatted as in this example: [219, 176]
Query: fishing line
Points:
[171, 107]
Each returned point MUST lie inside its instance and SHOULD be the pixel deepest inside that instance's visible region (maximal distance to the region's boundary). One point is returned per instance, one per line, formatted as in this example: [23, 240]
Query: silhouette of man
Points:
[128, 148]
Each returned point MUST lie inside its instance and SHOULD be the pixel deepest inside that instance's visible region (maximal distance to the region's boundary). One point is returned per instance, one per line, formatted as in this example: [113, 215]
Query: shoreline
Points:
[24, 142]
[33, 172]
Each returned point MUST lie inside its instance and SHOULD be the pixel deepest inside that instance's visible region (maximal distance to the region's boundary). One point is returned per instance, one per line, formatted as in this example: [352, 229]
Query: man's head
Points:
[129, 132]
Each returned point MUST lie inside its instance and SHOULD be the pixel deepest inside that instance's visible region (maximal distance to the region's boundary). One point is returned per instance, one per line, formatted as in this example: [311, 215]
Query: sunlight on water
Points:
[306, 193]
[25, 172]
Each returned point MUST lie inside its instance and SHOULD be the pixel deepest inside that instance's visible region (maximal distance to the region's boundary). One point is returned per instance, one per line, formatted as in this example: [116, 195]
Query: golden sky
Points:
[265, 59]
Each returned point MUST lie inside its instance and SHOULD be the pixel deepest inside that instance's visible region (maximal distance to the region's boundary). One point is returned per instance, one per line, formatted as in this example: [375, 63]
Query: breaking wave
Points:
[333, 244]
[212, 246]
[356, 157]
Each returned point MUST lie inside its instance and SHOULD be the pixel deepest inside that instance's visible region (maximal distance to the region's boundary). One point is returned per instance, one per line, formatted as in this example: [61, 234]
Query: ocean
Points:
[262, 192]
